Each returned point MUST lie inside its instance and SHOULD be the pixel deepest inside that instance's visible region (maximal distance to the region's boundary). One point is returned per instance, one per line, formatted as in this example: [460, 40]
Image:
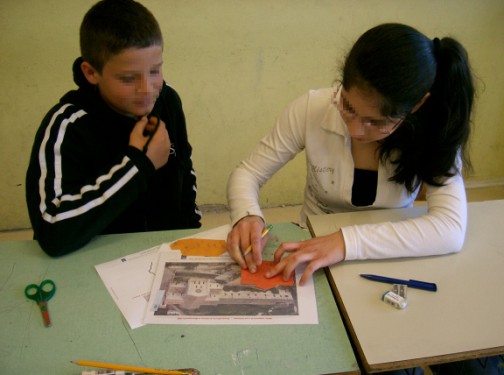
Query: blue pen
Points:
[411, 283]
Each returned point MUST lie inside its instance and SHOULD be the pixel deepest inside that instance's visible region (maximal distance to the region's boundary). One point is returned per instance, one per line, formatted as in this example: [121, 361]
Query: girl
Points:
[400, 118]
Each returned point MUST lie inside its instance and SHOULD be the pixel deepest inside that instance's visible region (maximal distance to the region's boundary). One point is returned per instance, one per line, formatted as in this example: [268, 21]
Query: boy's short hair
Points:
[111, 26]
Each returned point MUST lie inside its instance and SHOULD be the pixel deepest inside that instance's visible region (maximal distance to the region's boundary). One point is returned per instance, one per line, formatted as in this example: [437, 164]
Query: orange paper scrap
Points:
[260, 281]
[200, 247]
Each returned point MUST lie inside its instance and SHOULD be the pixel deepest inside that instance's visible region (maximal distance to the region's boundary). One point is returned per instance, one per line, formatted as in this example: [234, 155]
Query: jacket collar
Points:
[332, 120]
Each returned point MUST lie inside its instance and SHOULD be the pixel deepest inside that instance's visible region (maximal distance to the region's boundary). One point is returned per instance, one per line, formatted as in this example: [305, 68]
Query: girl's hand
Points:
[318, 252]
[247, 232]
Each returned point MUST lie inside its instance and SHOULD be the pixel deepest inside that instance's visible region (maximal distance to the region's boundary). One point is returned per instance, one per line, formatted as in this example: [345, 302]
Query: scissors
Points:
[41, 294]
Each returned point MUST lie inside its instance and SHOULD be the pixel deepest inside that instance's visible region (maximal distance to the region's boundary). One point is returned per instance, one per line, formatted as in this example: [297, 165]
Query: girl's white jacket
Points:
[312, 123]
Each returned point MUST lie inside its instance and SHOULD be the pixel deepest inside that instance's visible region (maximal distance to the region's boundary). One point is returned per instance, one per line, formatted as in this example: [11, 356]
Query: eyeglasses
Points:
[381, 125]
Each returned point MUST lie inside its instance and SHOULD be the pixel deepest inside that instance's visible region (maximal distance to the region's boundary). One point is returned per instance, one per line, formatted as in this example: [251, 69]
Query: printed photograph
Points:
[216, 289]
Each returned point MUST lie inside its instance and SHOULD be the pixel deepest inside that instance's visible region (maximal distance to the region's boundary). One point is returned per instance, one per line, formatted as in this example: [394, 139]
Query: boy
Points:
[112, 156]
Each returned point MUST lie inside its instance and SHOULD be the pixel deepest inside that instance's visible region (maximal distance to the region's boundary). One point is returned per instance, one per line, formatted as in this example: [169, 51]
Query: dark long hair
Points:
[402, 65]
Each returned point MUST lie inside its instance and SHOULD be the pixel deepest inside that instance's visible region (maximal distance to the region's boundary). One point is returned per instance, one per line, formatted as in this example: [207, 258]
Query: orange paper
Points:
[200, 247]
[260, 281]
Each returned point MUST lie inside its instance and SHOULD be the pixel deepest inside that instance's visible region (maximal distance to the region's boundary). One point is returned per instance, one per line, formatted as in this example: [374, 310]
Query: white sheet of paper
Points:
[129, 279]
[204, 290]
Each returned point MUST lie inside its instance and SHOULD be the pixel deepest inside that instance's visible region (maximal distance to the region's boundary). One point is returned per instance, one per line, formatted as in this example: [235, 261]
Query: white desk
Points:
[463, 319]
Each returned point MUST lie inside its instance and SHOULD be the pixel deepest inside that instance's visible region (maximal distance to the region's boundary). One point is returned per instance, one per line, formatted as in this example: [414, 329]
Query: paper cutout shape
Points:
[260, 281]
[200, 247]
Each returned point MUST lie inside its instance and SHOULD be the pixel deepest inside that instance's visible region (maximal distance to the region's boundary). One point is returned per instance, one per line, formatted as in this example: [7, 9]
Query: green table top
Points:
[86, 323]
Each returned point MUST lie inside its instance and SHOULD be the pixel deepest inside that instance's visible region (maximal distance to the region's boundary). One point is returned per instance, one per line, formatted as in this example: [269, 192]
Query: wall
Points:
[236, 64]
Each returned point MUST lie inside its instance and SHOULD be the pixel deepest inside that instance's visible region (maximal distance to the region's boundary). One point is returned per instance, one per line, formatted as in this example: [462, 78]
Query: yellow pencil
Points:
[112, 366]
[264, 233]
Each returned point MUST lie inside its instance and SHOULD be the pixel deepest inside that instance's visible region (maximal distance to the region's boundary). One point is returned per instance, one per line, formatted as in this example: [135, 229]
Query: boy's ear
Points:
[90, 73]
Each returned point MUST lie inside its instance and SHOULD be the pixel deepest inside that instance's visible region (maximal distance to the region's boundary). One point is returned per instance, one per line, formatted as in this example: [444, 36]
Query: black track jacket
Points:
[83, 179]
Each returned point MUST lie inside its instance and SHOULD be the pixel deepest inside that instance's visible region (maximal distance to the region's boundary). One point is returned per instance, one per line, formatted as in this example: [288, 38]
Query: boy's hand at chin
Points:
[158, 149]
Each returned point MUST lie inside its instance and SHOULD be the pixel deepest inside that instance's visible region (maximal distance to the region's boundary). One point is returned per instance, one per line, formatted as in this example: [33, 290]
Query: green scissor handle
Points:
[41, 294]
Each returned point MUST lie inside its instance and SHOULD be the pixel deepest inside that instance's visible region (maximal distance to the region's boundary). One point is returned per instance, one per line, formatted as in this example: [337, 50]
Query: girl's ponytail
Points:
[446, 115]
